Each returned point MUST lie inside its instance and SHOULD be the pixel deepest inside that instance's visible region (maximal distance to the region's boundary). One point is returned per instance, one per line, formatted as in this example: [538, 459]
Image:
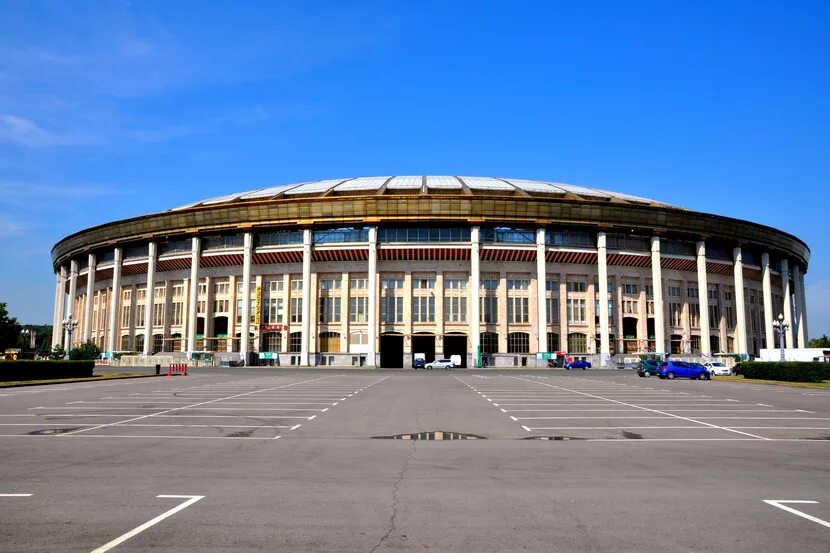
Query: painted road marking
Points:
[191, 499]
[780, 503]
[757, 437]
[186, 407]
[15, 495]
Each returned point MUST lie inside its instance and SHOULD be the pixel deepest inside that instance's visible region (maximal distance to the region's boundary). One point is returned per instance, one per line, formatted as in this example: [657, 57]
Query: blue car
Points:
[683, 369]
[578, 365]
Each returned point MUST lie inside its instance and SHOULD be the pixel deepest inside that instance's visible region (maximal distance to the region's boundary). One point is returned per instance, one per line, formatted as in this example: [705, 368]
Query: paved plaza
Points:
[291, 460]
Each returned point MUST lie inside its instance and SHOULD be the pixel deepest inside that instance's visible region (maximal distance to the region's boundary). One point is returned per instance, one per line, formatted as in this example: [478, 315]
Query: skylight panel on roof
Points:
[314, 187]
[535, 186]
[443, 183]
[221, 199]
[404, 183]
[582, 190]
[362, 183]
[486, 183]
[267, 192]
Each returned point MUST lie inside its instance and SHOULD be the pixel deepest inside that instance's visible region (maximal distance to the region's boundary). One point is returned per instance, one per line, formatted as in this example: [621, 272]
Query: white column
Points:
[788, 305]
[475, 294]
[372, 283]
[70, 301]
[800, 318]
[151, 296]
[541, 279]
[602, 282]
[769, 310]
[90, 293]
[740, 304]
[60, 293]
[246, 296]
[115, 302]
[306, 312]
[703, 298]
[195, 246]
[657, 289]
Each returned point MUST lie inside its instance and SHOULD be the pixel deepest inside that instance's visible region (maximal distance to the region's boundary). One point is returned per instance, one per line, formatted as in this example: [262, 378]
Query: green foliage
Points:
[87, 350]
[44, 370]
[823, 342]
[43, 350]
[786, 371]
[57, 353]
[9, 329]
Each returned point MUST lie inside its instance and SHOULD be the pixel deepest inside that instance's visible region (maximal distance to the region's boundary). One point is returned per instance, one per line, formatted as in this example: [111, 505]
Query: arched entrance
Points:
[455, 343]
[391, 350]
[423, 343]
[676, 341]
[630, 335]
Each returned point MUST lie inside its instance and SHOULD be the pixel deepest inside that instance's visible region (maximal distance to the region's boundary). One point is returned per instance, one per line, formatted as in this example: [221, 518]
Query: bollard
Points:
[158, 369]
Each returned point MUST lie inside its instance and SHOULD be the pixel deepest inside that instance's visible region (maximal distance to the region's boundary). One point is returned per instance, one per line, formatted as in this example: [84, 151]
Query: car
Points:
[649, 367]
[578, 365]
[419, 363]
[440, 364]
[684, 369]
[718, 368]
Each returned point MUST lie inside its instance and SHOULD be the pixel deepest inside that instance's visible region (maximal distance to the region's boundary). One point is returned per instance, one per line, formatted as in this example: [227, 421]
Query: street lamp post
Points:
[69, 325]
[781, 328]
[26, 337]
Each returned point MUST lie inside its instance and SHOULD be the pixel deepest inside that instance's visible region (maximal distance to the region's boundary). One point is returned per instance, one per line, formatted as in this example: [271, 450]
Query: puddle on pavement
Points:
[437, 435]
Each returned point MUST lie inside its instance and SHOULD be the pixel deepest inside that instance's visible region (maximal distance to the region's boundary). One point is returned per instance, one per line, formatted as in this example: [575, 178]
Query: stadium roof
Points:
[446, 185]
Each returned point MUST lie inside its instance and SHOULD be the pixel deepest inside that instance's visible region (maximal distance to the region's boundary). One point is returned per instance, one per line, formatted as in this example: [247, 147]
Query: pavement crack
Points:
[395, 500]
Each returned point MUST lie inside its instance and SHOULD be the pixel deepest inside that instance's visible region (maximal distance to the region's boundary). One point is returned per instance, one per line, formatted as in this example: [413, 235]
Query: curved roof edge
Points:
[424, 184]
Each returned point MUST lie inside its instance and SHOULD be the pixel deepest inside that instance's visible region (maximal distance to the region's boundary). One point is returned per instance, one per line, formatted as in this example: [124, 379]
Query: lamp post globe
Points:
[69, 325]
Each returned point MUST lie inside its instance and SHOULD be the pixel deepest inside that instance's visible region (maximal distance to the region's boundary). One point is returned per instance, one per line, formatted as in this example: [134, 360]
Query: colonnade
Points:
[796, 335]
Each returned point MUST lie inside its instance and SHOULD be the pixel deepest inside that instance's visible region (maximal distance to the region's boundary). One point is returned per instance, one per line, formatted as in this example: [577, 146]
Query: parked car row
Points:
[685, 369]
[446, 364]
[673, 369]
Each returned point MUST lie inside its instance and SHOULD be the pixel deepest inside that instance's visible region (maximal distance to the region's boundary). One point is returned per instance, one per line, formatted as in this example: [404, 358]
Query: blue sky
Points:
[115, 109]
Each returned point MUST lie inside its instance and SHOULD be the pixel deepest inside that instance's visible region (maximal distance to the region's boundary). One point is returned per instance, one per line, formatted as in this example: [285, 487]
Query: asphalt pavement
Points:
[323, 460]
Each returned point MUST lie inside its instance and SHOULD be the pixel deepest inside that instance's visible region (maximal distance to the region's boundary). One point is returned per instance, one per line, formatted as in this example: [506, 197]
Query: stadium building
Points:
[371, 271]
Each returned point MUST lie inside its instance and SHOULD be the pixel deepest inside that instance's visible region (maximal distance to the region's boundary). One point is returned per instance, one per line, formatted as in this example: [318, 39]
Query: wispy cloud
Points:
[10, 227]
[26, 132]
[23, 193]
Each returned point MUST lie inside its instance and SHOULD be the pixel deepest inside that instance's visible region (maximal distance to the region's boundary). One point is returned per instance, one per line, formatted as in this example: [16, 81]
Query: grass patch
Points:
[825, 385]
[95, 378]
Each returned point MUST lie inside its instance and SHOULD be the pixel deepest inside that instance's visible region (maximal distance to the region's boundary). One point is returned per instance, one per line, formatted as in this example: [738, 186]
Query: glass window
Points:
[508, 235]
[340, 235]
[571, 238]
[426, 234]
[489, 309]
[489, 342]
[577, 342]
[553, 341]
[518, 342]
[295, 342]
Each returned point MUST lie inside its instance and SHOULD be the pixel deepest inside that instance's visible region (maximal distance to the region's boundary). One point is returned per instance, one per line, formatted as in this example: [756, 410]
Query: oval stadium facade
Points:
[377, 271]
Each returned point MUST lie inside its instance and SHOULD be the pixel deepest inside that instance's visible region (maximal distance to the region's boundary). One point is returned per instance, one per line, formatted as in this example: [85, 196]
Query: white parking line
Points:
[780, 503]
[191, 499]
[15, 495]
[186, 407]
[647, 409]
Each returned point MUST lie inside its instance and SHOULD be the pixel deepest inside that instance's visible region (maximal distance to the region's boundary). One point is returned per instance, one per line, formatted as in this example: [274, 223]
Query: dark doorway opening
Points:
[220, 327]
[423, 343]
[456, 344]
[391, 351]
[630, 335]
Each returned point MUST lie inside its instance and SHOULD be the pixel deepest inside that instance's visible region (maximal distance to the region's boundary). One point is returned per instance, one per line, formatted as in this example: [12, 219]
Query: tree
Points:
[9, 329]
[87, 350]
[823, 342]
[57, 352]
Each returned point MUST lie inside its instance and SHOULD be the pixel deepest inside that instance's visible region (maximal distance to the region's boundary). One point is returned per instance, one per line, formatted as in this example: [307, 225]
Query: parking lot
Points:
[281, 460]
